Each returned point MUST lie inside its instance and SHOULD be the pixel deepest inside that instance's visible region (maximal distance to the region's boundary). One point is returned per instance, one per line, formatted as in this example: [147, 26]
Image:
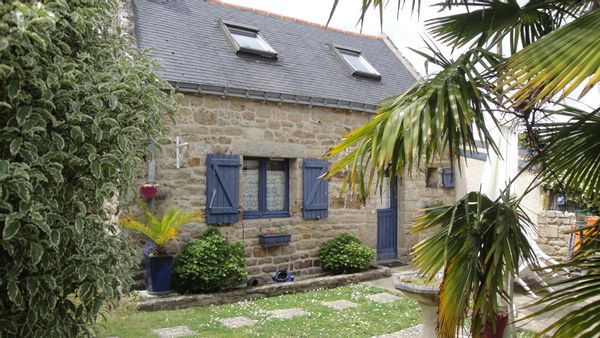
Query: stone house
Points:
[264, 97]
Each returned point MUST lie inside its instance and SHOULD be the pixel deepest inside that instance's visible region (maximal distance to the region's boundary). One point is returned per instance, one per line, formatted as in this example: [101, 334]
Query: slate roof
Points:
[197, 56]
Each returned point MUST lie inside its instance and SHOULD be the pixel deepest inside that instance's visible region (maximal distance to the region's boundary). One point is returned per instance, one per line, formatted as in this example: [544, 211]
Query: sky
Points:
[405, 30]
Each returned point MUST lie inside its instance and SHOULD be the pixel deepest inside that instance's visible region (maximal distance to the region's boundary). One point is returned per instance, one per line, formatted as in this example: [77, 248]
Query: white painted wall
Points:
[470, 177]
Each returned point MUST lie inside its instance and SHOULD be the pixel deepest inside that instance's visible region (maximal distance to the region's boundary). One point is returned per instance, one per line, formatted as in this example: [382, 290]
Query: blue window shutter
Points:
[315, 190]
[222, 188]
[447, 178]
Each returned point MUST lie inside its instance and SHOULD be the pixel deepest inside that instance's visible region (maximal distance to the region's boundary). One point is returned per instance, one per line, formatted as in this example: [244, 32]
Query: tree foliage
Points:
[479, 240]
[209, 264]
[77, 104]
[345, 254]
[552, 51]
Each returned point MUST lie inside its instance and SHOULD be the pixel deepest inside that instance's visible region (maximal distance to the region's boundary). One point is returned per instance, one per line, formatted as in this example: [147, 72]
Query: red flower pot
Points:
[501, 320]
[148, 191]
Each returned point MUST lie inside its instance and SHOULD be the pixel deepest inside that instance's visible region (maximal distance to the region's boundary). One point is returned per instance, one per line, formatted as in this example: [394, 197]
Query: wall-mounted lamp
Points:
[179, 147]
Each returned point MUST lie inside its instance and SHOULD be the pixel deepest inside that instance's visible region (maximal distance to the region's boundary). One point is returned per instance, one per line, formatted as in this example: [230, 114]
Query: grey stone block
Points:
[173, 332]
[340, 304]
[383, 297]
[236, 322]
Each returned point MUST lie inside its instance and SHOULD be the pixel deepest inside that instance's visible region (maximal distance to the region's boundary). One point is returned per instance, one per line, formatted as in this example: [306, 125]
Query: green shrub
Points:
[345, 254]
[77, 104]
[210, 264]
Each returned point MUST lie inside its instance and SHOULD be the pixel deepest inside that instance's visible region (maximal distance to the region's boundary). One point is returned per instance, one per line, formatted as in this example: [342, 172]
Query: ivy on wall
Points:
[77, 104]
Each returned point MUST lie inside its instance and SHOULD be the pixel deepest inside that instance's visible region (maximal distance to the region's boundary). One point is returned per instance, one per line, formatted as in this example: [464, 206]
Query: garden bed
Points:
[250, 293]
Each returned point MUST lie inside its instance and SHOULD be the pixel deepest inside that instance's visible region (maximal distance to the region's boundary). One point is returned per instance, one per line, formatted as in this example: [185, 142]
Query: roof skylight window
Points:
[355, 61]
[247, 39]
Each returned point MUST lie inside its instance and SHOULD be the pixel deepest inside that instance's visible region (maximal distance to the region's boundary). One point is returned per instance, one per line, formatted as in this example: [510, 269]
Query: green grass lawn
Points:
[368, 319]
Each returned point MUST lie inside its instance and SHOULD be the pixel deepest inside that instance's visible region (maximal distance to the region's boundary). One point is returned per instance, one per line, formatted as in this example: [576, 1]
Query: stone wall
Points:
[552, 236]
[212, 124]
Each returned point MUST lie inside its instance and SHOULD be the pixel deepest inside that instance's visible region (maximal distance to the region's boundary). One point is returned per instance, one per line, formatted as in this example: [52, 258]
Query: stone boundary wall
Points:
[271, 290]
[552, 230]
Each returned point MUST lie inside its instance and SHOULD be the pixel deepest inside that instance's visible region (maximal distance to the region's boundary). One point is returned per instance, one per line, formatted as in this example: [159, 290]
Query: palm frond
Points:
[431, 120]
[164, 229]
[556, 63]
[577, 293]
[495, 21]
[480, 240]
[572, 154]
[379, 6]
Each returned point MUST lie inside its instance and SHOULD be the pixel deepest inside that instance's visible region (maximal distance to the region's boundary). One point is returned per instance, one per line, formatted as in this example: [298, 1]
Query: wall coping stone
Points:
[270, 290]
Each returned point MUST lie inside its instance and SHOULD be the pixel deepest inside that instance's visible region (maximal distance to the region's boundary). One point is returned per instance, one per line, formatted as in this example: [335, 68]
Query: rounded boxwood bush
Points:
[344, 254]
[210, 264]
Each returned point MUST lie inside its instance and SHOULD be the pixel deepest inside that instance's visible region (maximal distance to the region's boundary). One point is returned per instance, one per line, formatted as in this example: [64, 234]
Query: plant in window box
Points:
[159, 231]
[272, 237]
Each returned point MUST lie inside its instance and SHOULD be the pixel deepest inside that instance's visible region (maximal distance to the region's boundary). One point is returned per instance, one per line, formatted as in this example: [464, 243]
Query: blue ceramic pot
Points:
[158, 273]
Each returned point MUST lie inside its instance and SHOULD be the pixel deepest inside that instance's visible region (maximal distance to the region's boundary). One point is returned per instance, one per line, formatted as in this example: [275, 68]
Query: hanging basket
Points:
[148, 191]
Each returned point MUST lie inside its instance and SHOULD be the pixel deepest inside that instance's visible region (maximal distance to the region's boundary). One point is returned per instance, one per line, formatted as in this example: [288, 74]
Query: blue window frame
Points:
[266, 188]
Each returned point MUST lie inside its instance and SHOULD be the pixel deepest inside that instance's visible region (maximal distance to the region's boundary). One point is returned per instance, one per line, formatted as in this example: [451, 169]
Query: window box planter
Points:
[273, 240]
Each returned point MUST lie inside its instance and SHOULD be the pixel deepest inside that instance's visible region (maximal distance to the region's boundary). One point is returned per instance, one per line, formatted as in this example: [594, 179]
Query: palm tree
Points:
[160, 231]
[552, 48]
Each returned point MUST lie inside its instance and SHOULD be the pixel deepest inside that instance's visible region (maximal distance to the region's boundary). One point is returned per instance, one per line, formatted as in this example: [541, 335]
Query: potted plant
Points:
[478, 243]
[148, 190]
[158, 263]
[274, 237]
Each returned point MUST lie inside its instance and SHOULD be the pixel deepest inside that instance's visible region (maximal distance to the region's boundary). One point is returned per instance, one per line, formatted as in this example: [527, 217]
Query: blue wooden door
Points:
[387, 227]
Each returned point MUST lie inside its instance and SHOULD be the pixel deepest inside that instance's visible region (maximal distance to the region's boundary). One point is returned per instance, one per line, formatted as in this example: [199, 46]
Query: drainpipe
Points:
[151, 168]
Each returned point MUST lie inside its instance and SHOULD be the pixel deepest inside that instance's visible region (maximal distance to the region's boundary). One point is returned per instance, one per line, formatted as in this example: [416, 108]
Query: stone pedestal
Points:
[425, 295]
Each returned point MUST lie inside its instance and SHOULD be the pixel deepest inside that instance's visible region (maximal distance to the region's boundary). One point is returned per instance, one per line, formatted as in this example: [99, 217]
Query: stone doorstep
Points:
[383, 297]
[174, 332]
[340, 304]
[235, 322]
[271, 290]
[288, 313]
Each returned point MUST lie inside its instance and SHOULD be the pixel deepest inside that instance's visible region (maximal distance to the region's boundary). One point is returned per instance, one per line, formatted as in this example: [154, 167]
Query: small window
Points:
[265, 188]
[247, 39]
[359, 65]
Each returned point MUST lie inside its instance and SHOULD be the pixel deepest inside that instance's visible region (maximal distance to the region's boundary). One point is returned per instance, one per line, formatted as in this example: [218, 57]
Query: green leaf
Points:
[85, 291]
[96, 169]
[35, 252]
[22, 114]
[3, 43]
[13, 291]
[59, 141]
[79, 225]
[77, 134]
[54, 237]
[32, 286]
[113, 102]
[11, 227]
[14, 87]
[82, 272]
[3, 167]
[122, 141]
[15, 145]
[5, 71]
